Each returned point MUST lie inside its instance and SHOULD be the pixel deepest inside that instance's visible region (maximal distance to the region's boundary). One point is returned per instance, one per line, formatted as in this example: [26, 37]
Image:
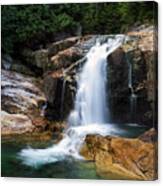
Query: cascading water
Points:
[62, 97]
[90, 103]
[133, 96]
[90, 111]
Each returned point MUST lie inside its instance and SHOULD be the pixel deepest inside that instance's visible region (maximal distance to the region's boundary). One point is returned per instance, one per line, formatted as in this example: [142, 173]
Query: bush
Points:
[24, 25]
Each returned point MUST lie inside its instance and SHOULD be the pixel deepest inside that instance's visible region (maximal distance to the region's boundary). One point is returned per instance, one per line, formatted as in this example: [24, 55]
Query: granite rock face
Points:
[20, 93]
[22, 100]
[132, 70]
[15, 124]
[122, 157]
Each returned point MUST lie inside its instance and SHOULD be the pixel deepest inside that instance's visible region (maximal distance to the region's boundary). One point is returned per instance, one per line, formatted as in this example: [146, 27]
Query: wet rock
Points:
[123, 157]
[117, 86]
[59, 95]
[140, 51]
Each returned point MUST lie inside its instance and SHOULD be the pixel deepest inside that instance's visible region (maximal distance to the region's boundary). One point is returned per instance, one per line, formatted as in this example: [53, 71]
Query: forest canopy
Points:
[31, 25]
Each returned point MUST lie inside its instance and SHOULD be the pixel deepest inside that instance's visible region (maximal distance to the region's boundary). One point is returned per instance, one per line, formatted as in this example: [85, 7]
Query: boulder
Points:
[122, 157]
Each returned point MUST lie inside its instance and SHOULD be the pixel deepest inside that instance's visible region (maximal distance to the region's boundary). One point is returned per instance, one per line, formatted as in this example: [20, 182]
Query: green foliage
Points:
[26, 24]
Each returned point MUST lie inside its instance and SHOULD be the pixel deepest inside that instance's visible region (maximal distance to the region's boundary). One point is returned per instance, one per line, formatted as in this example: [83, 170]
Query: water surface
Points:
[69, 168]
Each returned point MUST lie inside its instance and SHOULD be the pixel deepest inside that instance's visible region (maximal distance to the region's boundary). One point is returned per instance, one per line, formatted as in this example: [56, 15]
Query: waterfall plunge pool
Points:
[63, 160]
[69, 167]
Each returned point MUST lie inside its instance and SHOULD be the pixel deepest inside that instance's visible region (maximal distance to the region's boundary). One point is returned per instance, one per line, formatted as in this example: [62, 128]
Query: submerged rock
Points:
[123, 157]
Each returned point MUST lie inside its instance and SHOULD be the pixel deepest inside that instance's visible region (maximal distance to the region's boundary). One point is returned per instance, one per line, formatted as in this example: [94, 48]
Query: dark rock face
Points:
[118, 86]
[59, 95]
[122, 157]
[141, 53]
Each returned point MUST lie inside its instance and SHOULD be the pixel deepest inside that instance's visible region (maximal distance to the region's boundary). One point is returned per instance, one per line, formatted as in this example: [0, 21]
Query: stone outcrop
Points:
[60, 63]
[140, 51]
[59, 94]
[15, 124]
[122, 157]
[54, 48]
[22, 100]
[20, 93]
[55, 56]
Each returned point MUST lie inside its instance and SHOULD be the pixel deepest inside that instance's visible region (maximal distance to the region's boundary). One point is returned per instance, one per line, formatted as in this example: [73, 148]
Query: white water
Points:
[133, 96]
[90, 111]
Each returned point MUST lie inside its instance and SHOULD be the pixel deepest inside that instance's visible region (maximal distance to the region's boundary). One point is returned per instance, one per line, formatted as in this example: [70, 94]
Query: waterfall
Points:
[91, 103]
[90, 113]
[133, 96]
[62, 97]
[133, 105]
[43, 108]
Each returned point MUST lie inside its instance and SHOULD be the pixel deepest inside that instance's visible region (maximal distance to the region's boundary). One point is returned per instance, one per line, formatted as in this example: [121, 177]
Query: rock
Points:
[54, 48]
[122, 157]
[60, 62]
[65, 58]
[15, 124]
[21, 68]
[149, 136]
[60, 97]
[41, 58]
[6, 62]
[140, 51]
[29, 137]
[37, 59]
[117, 86]
[14, 65]
[20, 93]
[59, 54]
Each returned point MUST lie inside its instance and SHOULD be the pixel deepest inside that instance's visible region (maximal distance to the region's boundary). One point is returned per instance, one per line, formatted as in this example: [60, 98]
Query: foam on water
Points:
[90, 110]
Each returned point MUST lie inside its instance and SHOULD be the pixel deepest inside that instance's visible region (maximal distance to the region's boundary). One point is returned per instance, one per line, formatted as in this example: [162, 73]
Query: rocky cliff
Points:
[54, 72]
